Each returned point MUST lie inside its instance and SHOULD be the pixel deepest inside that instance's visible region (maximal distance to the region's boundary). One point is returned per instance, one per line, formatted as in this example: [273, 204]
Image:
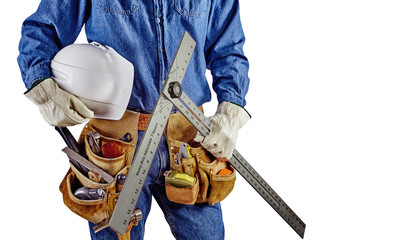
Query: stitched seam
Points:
[31, 71]
[187, 13]
[169, 217]
[119, 11]
[160, 165]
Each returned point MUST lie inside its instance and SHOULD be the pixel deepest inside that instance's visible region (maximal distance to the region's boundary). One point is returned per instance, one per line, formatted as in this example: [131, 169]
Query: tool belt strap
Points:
[144, 119]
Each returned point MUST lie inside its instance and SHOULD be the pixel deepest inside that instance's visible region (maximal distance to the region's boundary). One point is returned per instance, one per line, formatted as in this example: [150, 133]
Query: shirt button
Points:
[158, 20]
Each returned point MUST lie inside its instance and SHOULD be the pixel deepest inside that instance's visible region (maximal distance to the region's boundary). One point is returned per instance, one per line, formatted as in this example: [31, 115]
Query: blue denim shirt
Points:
[147, 33]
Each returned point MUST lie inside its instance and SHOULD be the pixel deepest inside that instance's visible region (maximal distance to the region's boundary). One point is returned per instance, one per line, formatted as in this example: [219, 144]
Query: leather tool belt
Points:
[109, 133]
[209, 186]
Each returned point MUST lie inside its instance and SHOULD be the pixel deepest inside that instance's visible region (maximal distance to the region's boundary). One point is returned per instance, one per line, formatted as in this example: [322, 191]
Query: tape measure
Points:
[171, 95]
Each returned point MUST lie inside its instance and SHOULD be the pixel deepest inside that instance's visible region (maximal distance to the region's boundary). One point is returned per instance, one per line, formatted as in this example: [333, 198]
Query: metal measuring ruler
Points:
[173, 94]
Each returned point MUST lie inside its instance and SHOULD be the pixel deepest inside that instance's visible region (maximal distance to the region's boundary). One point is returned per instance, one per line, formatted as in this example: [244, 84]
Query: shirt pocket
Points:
[191, 8]
[123, 7]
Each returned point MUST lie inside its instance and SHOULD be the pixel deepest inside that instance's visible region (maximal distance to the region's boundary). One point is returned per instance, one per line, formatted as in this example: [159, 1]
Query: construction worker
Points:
[147, 34]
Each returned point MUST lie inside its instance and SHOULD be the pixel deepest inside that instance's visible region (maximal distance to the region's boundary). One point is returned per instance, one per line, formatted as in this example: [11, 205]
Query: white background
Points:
[324, 131]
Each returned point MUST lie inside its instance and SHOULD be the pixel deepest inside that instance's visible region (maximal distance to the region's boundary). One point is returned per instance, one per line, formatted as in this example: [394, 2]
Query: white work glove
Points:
[58, 107]
[221, 141]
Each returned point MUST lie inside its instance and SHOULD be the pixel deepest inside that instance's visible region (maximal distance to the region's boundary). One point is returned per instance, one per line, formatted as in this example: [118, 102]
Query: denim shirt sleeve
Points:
[55, 24]
[224, 52]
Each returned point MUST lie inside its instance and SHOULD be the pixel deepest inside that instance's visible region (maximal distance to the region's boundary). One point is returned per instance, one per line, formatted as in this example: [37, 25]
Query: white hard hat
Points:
[98, 75]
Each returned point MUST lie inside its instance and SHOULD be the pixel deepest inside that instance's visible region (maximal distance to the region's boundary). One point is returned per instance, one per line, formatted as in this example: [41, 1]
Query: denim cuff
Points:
[36, 73]
[229, 97]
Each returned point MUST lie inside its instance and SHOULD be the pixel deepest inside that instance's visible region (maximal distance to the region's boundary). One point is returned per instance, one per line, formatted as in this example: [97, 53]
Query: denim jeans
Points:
[191, 222]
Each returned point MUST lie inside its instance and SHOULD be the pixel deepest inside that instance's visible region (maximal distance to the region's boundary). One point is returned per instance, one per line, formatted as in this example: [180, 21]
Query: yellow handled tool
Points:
[179, 179]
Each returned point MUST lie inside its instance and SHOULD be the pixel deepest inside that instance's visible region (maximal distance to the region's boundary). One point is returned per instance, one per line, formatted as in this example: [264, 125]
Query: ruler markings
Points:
[128, 198]
[194, 114]
[157, 123]
[243, 167]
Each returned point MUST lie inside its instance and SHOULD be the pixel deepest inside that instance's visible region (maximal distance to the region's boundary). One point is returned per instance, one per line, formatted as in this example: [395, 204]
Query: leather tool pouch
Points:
[210, 187]
[99, 211]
